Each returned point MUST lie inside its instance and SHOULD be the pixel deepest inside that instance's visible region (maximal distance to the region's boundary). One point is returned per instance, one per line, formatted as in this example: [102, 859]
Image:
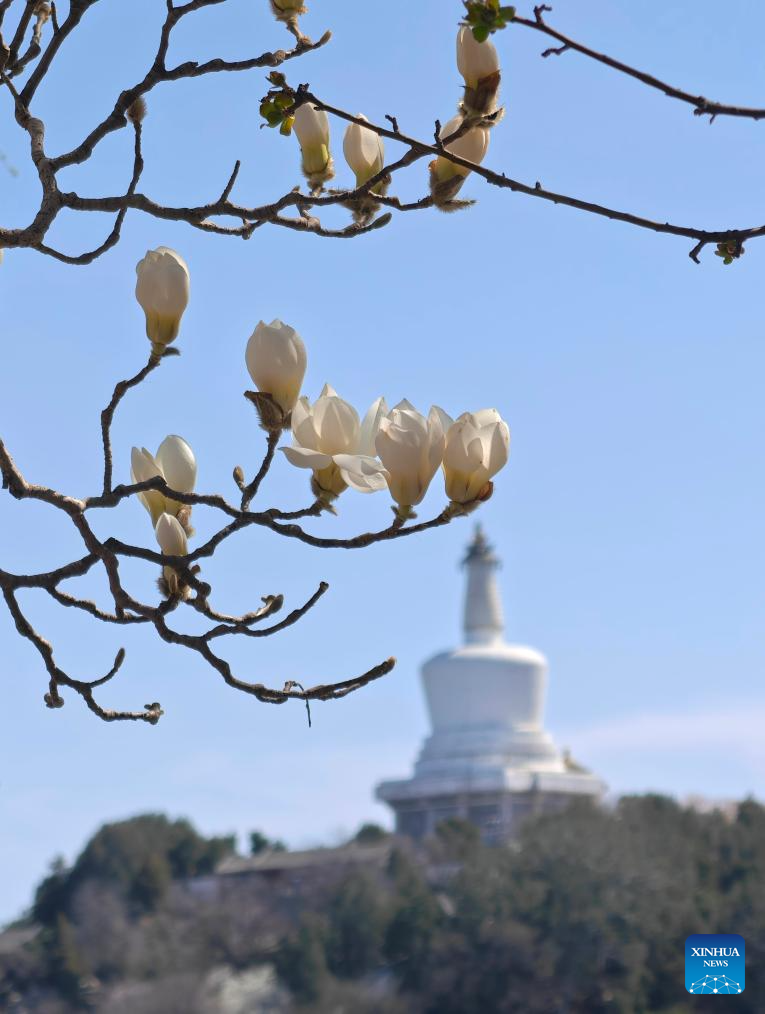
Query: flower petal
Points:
[305, 457]
[362, 472]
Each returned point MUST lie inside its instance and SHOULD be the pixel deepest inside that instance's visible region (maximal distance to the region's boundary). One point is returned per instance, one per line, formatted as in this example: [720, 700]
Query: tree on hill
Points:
[138, 858]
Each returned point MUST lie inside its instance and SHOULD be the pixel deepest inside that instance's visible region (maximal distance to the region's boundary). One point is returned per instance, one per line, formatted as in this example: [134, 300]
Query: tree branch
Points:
[702, 106]
[107, 416]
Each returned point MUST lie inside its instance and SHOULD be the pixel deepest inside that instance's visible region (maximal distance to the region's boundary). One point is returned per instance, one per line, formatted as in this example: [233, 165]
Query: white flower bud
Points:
[475, 60]
[472, 145]
[410, 448]
[364, 151]
[477, 447]
[144, 467]
[311, 127]
[276, 360]
[162, 289]
[178, 464]
[478, 63]
[329, 439]
[175, 463]
[173, 542]
[171, 536]
[287, 10]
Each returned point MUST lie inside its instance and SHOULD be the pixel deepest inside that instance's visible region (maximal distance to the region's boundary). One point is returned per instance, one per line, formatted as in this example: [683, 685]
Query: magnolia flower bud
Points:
[170, 536]
[477, 447]
[411, 448]
[276, 360]
[287, 10]
[162, 289]
[364, 152]
[144, 467]
[173, 542]
[175, 463]
[312, 129]
[478, 63]
[447, 177]
[179, 466]
[328, 438]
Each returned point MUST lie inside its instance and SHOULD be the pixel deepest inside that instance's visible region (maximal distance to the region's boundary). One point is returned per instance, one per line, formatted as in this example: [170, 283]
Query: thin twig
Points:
[251, 490]
[107, 416]
[702, 106]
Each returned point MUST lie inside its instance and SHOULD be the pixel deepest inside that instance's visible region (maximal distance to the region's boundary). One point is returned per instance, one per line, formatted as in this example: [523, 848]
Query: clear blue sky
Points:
[630, 517]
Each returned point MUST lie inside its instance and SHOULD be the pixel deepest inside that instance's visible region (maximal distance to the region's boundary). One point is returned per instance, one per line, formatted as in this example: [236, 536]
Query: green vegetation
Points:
[587, 913]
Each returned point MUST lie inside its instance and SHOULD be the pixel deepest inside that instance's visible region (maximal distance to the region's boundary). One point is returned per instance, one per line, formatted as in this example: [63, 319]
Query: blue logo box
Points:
[714, 963]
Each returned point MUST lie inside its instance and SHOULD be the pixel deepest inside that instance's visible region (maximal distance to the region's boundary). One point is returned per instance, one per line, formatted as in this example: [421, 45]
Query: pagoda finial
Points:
[483, 621]
[479, 548]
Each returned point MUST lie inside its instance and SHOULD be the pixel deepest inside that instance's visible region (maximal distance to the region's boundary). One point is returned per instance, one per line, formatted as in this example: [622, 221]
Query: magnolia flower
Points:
[286, 10]
[276, 360]
[410, 448]
[173, 542]
[478, 63]
[176, 464]
[447, 177]
[162, 289]
[364, 151]
[472, 145]
[477, 447]
[328, 438]
[312, 129]
[171, 536]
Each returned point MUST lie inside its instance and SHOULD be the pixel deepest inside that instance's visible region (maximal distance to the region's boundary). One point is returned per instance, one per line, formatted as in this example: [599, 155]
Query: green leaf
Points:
[480, 33]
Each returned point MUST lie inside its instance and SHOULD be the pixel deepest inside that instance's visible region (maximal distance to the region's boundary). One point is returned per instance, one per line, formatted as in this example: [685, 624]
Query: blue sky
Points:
[630, 515]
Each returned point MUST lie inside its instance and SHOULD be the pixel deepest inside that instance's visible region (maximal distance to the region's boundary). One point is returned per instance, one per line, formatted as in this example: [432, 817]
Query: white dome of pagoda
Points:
[488, 753]
[486, 699]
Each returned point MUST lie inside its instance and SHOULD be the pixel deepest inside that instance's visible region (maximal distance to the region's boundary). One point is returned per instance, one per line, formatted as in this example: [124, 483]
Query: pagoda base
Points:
[496, 802]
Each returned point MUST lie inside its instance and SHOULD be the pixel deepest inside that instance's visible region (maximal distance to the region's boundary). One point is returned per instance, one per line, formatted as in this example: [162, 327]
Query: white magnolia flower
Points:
[288, 7]
[171, 536]
[475, 60]
[364, 151]
[410, 448]
[477, 447]
[175, 463]
[162, 289]
[173, 542]
[472, 145]
[328, 438]
[276, 359]
[312, 130]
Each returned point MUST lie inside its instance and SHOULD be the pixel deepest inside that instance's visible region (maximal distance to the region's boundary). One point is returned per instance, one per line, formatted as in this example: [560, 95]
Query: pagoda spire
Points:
[483, 619]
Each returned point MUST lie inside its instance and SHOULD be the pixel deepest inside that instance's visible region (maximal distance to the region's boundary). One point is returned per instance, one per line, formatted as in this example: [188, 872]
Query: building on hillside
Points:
[295, 870]
[488, 758]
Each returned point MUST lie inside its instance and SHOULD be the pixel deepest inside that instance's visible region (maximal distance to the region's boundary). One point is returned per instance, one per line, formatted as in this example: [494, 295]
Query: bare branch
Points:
[702, 106]
[114, 236]
[59, 678]
[249, 492]
[159, 74]
[272, 604]
[244, 626]
[107, 415]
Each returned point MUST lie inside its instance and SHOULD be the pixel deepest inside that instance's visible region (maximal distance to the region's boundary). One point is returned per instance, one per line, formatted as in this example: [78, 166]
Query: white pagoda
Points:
[488, 758]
